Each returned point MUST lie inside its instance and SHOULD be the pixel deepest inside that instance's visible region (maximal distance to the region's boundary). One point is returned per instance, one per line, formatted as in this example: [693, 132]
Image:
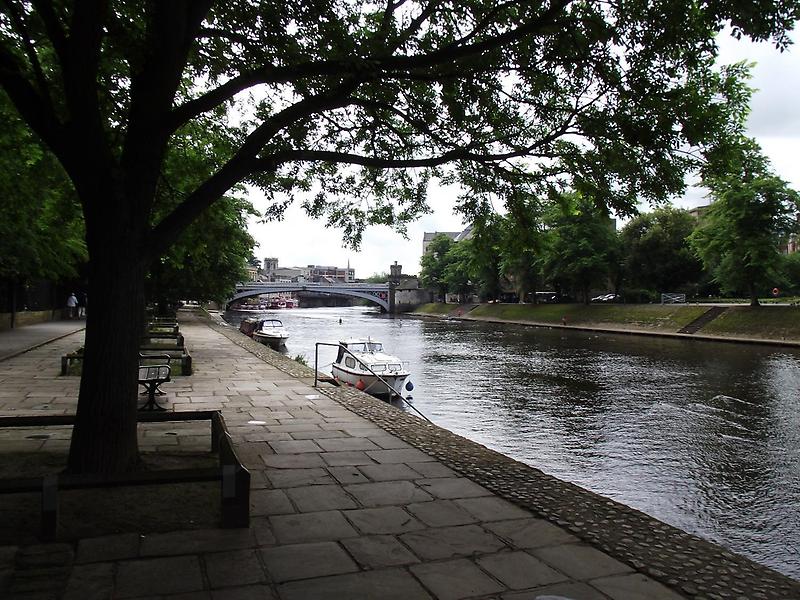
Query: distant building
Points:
[311, 273]
[252, 273]
[456, 236]
[270, 265]
[326, 274]
[698, 212]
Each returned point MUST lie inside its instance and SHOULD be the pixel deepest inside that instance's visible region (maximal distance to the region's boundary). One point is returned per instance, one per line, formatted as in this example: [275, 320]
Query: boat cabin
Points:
[366, 347]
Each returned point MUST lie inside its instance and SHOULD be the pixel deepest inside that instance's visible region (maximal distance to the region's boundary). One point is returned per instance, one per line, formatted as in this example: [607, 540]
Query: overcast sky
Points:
[774, 122]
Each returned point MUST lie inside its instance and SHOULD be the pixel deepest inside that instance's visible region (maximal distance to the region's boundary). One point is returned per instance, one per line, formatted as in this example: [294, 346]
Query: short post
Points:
[235, 487]
[217, 427]
[49, 507]
[64, 365]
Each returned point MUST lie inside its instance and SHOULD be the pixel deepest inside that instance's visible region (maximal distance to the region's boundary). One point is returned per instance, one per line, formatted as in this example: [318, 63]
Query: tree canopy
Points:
[41, 231]
[656, 250]
[579, 245]
[753, 212]
[354, 106]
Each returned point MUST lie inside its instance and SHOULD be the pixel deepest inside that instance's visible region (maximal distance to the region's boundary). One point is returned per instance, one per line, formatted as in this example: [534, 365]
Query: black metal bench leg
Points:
[151, 403]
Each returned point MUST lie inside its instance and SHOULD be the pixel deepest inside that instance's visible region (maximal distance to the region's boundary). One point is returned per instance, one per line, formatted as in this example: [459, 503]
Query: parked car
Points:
[606, 298]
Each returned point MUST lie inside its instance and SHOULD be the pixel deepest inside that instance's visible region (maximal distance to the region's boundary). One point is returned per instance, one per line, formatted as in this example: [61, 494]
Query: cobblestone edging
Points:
[690, 565]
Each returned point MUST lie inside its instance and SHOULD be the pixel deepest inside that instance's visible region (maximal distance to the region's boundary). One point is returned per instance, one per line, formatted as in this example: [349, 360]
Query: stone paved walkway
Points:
[21, 339]
[341, 508]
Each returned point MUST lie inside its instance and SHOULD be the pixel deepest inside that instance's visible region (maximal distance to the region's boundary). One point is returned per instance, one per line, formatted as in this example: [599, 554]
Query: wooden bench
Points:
[152, 376]
[148, 337]
[176, 354]
[163, 327]
[234, 478]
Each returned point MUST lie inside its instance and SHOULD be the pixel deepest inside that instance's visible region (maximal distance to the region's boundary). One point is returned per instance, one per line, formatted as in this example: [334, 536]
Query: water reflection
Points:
[701, 435]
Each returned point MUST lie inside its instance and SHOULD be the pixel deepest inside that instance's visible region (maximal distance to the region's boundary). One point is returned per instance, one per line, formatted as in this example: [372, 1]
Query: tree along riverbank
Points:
[769, 324]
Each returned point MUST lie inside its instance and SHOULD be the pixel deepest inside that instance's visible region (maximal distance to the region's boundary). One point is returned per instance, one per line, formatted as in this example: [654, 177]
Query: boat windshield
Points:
[378, 368]
[365, 347]
[395, 367]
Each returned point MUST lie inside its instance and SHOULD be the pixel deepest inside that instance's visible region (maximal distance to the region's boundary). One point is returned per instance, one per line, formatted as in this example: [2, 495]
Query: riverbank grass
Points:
[657, 317]
[436, 308]
[765, 322]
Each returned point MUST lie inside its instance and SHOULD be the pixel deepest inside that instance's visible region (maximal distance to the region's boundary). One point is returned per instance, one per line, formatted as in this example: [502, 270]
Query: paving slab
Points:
[90, 582]
[234, 568]
[441, 513]
[270, 502]
[447, 542]
[387, 493]
[158, 576]
[316, 498]
[286, 478]
[634, 586]
[580, 561]
[378, 551]
[108, 547]
[388, 519]
[452, 580]
[306, 561]
[519, 570]
[394, 584]
[307, 527]
[569, 591]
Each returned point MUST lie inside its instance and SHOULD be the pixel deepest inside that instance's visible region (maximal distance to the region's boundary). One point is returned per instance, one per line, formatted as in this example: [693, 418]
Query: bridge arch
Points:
[376, 293]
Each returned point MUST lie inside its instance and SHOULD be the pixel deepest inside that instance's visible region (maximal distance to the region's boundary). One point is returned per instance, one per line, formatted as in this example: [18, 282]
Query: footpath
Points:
[19, 340]
[353, 498]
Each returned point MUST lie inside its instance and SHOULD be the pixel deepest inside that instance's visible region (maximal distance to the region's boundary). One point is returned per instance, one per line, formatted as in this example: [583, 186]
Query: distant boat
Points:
[248, 308]
[271, 332]
[363, 364]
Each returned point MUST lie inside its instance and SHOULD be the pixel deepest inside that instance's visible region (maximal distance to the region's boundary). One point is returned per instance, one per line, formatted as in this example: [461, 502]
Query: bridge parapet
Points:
[379, 293]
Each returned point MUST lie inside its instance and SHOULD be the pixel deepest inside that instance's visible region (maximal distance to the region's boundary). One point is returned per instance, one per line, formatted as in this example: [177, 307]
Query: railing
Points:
[669, 298]
[391, 389]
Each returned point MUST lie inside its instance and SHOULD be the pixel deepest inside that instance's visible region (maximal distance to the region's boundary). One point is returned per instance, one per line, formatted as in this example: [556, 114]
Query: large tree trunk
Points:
[104, 439]
[753, 296]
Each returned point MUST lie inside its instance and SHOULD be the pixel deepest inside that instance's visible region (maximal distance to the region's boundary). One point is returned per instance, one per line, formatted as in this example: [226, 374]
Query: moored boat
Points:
[271, 332]
[249, 325]
[363, 364]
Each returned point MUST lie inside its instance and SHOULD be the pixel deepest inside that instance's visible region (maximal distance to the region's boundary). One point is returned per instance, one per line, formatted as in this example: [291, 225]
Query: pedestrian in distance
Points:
[72, 305]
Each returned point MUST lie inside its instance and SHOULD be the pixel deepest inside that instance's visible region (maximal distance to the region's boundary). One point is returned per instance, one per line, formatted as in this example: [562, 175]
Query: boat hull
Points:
[371, 384]
[273, 341]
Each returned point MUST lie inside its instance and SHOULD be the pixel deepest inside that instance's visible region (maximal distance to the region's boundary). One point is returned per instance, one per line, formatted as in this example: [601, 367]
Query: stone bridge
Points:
[381, 294]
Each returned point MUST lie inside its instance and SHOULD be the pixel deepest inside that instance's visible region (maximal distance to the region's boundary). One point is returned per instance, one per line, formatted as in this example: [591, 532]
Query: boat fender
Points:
[360, 385]
[409, 386]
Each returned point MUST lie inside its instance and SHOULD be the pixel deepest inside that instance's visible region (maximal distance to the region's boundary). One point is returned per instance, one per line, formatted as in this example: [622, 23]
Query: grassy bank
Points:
[766, 322]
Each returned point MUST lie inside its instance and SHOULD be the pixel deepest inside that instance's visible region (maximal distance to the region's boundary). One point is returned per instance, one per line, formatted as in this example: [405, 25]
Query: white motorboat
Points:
[272, 333]
[363, 364]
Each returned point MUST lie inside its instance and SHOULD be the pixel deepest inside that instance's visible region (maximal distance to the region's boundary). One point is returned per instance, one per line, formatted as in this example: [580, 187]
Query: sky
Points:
[774, 122]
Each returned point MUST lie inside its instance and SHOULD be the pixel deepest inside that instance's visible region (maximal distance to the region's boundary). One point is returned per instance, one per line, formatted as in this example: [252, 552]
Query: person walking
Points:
[72, 304]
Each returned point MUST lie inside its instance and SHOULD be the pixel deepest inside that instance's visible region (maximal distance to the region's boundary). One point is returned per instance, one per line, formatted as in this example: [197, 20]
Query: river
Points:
[702, 435]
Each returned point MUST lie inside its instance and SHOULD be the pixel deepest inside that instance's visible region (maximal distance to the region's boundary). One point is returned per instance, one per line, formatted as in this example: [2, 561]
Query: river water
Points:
[704, 436]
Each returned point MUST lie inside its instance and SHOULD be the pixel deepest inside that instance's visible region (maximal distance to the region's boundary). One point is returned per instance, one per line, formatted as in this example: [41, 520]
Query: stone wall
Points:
[29, 317]
[408, 300]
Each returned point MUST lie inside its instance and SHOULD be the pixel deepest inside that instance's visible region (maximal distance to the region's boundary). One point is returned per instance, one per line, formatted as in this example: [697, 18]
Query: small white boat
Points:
[363, 364]
[272, 333]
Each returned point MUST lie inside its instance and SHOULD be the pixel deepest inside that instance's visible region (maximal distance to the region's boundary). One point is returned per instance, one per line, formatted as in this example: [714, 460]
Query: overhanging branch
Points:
[362, 69]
